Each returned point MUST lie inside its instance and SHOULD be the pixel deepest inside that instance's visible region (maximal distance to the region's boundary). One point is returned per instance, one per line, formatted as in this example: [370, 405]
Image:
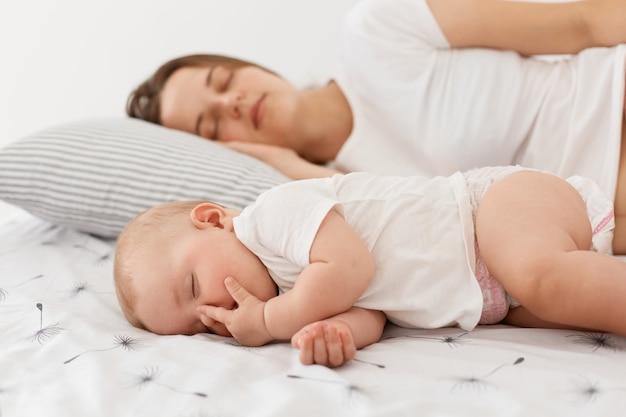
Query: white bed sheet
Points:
[66, 350]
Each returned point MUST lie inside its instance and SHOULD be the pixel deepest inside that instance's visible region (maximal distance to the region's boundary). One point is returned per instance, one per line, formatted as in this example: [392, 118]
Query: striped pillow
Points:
[96, 175]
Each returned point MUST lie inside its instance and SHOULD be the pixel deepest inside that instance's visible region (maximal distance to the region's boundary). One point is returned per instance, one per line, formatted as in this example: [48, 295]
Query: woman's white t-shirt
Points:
[423, 108]
[418, 230]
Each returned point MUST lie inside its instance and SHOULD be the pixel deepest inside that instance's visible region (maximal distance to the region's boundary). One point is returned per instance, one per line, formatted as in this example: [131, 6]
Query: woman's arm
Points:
[531, 28]
[334, 341]
[285, 160]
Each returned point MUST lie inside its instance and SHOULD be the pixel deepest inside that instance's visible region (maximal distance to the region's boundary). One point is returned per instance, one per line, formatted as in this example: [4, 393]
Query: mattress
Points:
[66, 350]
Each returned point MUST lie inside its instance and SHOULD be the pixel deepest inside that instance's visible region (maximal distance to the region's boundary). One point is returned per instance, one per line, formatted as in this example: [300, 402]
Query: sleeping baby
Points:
[326, 262]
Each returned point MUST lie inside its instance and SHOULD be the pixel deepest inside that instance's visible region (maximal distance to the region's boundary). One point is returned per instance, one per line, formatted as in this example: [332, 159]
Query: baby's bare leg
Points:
[534, 236]
[521, 317]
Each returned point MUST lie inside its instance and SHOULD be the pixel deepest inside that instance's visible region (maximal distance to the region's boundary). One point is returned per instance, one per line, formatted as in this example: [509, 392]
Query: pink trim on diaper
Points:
[603, 222]
[495, 304]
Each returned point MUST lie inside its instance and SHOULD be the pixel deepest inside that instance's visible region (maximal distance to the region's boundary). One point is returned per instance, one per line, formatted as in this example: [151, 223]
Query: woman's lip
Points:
[256, 112]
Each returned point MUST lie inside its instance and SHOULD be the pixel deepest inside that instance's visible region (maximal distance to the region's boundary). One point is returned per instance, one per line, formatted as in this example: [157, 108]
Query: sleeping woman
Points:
[426, 87]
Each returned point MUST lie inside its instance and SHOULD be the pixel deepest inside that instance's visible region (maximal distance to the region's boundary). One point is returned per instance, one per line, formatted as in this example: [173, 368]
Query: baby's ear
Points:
[208, 215]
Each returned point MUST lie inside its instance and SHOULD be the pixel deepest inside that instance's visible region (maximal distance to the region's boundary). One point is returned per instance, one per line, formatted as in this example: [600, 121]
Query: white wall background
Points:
[62, 60]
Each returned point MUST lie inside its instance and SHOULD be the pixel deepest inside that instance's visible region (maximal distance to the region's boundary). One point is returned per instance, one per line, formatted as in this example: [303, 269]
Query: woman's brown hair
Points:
[145, 101]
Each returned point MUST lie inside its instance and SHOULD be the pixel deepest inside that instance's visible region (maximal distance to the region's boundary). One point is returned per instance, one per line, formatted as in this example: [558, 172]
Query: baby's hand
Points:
[246, 322]
[328, 342]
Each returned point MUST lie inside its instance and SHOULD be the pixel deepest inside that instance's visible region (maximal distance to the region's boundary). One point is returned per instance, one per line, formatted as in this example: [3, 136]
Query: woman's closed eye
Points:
[222, 80]
[226, 80]
[219, 78]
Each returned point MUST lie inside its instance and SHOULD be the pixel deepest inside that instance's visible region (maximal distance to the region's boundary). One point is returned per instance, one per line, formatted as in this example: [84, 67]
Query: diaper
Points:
[496, 301]
[599, 211]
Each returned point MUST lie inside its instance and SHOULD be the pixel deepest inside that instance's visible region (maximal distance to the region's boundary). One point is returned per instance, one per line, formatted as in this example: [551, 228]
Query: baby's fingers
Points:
[211, 314]
[320, 352]
[239, 293]
[305, 346]
[334, 346]
[322, 345]
[347, 343]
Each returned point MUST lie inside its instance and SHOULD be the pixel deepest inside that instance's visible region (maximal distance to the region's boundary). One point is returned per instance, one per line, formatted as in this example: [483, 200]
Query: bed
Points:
[66, 349]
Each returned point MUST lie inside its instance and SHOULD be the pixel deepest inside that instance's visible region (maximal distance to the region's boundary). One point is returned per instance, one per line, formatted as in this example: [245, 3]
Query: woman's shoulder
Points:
[402, 22]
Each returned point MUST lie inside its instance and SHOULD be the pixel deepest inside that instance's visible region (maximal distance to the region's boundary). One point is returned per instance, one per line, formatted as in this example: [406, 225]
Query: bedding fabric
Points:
[95, 175]
[66, 350]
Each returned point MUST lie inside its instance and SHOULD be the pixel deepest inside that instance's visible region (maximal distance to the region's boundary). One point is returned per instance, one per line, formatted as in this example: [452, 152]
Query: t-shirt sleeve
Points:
[389, 46]
[404, 25]
[284, 221]
[421, 107]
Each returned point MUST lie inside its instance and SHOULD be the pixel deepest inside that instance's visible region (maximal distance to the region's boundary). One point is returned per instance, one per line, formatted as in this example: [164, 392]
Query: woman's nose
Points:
[228, 104]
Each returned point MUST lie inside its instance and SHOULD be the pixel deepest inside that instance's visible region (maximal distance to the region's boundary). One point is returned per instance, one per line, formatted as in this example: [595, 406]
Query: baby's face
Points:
[173, 279]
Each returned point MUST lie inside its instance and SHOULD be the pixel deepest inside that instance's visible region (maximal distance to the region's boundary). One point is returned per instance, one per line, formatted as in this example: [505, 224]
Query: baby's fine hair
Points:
[161, 223]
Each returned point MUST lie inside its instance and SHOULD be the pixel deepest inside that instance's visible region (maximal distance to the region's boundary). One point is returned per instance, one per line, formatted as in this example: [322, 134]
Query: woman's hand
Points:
[328, 342]
[285, 160]
[270, 154]
[246, 322]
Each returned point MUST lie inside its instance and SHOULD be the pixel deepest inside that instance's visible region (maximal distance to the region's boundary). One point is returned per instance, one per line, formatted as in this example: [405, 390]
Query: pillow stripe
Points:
[64, 192]
[17, 166]
[121, 152]
[112, 151]
[96, 175]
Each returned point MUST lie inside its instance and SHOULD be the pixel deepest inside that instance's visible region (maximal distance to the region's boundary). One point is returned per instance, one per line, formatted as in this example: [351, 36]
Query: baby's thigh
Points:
[526, 220]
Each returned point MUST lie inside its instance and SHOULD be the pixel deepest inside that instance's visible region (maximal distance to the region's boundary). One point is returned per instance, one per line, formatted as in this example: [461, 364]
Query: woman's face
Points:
[245, 104]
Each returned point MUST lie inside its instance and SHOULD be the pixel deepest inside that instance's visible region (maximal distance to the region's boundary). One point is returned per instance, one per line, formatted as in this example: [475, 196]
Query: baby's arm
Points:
[340, 270]
[334, 341]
